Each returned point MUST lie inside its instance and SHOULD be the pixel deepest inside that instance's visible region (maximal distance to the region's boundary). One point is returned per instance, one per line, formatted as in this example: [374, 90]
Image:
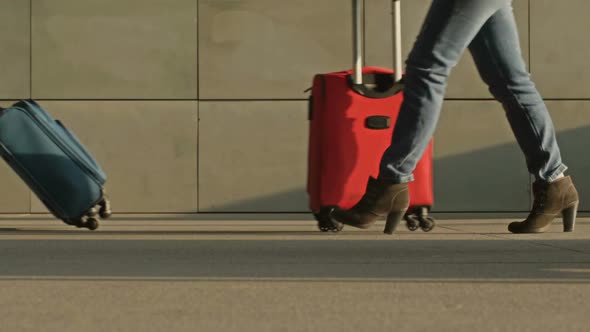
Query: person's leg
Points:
[448, 29]
[497, 54]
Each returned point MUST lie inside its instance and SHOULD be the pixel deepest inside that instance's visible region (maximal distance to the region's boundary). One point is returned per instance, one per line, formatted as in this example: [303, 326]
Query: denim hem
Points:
[561, 169]
[398, 179]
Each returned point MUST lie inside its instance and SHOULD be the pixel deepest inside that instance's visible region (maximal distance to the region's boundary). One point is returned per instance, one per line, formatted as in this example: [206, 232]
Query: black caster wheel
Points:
[79, 223]
[92, 212]
[334, 229]
[91, 224]
[412, 223]
[321, 225]
[426, 223]
[105, 209]
[328, 225]
[324, 228]
[336, 226]
[325, 223]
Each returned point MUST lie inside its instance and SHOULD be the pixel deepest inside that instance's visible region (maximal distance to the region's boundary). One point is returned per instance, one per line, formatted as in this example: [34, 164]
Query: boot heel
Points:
[569, 218]
[393, 219]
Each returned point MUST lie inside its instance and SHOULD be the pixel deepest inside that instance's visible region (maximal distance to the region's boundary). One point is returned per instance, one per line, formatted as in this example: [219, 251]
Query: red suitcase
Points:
[352, 117]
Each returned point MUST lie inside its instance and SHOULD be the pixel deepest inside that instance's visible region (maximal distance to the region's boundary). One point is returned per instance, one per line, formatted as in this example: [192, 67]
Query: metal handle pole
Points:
[357, 18]
[397, 40]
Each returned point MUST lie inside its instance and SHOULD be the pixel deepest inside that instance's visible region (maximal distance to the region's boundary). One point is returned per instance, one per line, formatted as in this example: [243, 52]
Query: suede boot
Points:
[381, 198]
[551, 200]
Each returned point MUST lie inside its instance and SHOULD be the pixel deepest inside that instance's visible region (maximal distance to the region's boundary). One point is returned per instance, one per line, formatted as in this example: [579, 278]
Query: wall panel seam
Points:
[198, 133]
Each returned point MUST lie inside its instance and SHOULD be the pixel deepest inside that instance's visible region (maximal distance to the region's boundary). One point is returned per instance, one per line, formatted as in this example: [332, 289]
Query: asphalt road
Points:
[246, 275]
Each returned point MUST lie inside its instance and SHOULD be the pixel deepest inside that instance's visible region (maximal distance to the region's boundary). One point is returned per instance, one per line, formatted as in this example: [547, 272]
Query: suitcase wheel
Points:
[426, 223]
[91, 224]
[105, 208]
[325, 223]
[92, 212]
[419, 218]
[412, 222]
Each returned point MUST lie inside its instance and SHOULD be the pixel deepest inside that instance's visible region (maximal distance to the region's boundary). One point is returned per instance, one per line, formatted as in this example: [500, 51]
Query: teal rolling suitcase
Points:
[54, 164]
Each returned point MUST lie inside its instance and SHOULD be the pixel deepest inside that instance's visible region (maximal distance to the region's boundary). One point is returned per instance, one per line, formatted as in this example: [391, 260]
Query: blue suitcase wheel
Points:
[91, 224]
[92, 212]
[105, 209]
[79, 223]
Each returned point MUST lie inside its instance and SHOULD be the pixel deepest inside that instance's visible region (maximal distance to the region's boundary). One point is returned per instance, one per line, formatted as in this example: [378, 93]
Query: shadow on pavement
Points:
[396, 260]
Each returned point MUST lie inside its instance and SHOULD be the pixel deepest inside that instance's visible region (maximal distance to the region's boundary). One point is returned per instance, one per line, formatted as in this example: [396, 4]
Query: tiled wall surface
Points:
[199, 105]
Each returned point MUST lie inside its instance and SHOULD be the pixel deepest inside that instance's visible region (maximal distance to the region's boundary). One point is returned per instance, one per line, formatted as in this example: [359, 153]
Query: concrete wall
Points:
[198, 105]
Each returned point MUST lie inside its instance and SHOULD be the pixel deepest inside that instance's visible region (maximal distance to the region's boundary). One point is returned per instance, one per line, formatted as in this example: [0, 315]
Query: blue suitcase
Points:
[54, 164]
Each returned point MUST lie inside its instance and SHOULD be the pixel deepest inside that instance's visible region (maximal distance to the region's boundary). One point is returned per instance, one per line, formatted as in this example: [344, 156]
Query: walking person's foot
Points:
[552, 199]
[381, 198]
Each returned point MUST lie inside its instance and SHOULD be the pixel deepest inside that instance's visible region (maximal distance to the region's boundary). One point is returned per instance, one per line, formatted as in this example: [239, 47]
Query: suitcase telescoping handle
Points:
[358, 13]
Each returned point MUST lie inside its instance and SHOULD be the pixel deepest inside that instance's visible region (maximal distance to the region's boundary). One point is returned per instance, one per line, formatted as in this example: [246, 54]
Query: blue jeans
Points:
[488, 29]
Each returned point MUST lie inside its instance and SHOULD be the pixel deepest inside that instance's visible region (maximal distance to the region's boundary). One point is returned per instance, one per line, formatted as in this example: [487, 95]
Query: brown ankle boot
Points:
[551, 200]
[381, 198]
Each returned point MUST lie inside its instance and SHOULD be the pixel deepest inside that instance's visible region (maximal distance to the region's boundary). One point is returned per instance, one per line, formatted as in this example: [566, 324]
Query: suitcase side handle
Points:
[358, 9]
